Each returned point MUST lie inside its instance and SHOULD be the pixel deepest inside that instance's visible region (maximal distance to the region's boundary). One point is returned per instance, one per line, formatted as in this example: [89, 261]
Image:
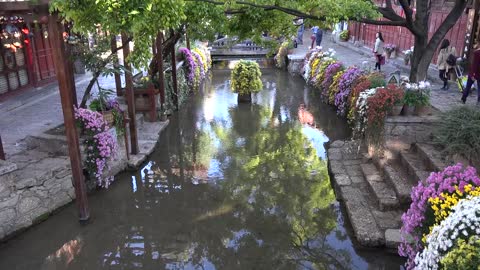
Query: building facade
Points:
[26, 58]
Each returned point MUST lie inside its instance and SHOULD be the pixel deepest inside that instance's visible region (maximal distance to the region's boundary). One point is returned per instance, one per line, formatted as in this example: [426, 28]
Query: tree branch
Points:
[447, 24]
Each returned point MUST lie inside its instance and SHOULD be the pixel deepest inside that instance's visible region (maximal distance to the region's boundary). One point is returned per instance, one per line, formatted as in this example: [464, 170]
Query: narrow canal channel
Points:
[229, 187]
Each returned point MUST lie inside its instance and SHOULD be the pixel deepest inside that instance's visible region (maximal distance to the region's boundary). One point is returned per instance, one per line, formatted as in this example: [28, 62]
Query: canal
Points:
[229, 187]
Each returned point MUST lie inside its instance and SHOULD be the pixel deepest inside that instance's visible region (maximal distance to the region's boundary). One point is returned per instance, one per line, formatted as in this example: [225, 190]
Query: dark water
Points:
[229, 187]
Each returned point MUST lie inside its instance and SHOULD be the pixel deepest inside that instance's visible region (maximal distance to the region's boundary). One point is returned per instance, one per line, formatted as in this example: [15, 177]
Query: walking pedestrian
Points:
[313, 37]
[319, 37]
[446, 61]
[301, 28]
[473, 74]
[378, 51]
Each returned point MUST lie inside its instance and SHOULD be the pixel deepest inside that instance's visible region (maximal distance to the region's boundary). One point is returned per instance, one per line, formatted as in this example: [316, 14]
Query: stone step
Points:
[399, 180]
[384, 194]
[414, 166]
[364, 225]
[431, 156]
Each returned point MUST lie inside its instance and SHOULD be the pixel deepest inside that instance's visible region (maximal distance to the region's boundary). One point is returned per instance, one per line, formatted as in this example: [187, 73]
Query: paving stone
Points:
[363, 222]
[353, 170]
[336, 167]
[400, 184]
[146, 147]
[342, 180]
[393, 238]
[353, 162]
[337, 144]
[136, 160]
[357, 179]
[335, 156]
[7, 167]
[27, 204]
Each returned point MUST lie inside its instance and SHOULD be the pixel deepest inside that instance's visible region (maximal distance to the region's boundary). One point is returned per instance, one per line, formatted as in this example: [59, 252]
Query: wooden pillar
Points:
[161, 78]
[118, 80]
[174, 78]
[187, 38]
[66, 91]
[130, 96]
[2, 153]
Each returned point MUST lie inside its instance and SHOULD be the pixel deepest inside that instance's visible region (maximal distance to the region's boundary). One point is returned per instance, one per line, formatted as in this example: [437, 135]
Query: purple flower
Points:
[414, 220]
[330, 72]
[345, 87]
[191, 65]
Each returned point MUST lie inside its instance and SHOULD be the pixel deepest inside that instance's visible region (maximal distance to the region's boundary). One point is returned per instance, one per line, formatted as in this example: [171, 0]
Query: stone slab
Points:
[431, 156]
[363, 222]
[393, 238]
[136, 160]
[7, 167]
[400, 184]
[384, 194]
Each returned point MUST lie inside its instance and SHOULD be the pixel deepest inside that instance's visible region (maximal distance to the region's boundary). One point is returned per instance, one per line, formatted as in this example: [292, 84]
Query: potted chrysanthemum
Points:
[246, 79]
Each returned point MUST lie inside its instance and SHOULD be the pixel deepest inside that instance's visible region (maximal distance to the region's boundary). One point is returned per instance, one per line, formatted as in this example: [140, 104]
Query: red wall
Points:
[401, 37]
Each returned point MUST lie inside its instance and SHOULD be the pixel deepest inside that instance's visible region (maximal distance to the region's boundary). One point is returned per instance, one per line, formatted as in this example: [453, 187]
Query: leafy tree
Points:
[366, 11]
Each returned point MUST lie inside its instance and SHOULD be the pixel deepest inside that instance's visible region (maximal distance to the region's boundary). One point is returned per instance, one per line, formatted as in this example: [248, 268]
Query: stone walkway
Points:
[351, 55]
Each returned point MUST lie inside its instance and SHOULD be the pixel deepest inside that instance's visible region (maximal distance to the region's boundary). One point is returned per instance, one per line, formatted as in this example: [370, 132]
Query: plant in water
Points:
[246, 78]
[100, 144]
[458, 133]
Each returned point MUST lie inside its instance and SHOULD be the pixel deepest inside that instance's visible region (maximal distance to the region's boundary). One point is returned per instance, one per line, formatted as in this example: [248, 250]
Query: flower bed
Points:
[444, 210]
[351, 90]
[198, 62]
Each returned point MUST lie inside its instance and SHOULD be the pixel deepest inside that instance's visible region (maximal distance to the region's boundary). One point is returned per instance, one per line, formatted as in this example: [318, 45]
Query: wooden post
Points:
[2, 153]
[118, 80]
[161, 78]
[174, 78]
[129, 95]
[187, 38]
[66, 91]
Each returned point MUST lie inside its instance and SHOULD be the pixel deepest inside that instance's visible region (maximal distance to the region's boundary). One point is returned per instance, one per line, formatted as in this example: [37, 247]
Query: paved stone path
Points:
[350, 55]
[35, 111]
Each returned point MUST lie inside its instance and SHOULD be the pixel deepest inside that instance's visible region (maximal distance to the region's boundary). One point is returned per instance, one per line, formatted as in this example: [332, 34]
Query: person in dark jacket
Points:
[473, 74]
[318, 37]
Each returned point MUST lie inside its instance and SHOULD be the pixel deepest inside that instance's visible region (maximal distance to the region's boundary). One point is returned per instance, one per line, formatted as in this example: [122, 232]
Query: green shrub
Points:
[459, 133]
[344, 35]
[465, 255]
[246, 77]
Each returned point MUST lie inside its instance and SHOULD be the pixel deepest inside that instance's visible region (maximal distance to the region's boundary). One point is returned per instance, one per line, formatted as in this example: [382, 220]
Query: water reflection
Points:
[229, 187]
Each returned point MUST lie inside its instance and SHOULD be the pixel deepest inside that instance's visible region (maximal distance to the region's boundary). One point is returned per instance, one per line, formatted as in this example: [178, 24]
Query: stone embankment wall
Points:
[36, 182]
[29, 192]
[411, 129]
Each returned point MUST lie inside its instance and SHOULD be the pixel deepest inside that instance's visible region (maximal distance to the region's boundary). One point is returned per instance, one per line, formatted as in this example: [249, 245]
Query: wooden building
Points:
[26, 55]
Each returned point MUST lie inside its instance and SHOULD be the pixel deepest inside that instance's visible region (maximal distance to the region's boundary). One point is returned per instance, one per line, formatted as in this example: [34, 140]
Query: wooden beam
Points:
[161, 78]
[129, 95]
[66, 90]
[118, 79]
[174, 78]
[2, 153]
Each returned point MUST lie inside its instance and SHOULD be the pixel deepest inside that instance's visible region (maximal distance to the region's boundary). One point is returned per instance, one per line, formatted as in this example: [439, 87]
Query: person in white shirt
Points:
[378, 51]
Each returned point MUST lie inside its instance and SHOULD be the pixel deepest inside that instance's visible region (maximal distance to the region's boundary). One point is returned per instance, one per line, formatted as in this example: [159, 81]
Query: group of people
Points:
[446, 60]
[316, 37]
[446, 63]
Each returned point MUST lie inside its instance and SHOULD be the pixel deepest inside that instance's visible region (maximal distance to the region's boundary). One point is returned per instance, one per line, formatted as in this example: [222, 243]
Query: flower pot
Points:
[244, 98]
[421, 110]
[396, 110]
[388, 54]
[408, 110]
[393, 55]
[407, 60]
[108, 117]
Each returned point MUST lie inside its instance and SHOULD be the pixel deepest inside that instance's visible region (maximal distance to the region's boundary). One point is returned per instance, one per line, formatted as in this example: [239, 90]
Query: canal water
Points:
[229, 187]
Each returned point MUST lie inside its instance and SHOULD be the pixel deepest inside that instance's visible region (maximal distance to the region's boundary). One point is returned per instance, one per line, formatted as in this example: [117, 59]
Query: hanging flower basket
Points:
[108, 117]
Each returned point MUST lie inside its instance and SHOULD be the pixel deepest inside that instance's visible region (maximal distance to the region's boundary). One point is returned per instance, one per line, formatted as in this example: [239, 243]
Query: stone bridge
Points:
[232, 47]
